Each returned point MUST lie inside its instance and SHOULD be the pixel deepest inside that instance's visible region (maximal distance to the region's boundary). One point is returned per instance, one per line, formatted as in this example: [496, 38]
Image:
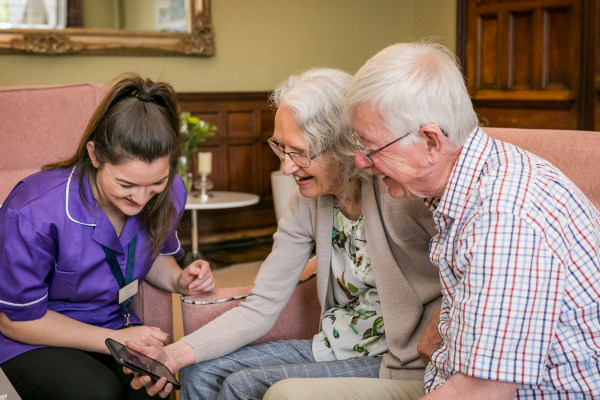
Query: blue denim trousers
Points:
[248, 372]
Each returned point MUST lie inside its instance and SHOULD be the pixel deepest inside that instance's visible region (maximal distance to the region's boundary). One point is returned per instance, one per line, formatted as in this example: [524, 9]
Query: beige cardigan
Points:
[398, 234]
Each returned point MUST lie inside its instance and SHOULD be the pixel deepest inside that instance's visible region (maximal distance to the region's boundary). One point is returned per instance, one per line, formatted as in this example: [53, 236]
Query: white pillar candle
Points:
[204, 163]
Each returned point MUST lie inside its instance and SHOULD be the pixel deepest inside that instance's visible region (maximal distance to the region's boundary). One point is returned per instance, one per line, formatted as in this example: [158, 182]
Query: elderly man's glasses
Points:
[301, 160]
[368, 153]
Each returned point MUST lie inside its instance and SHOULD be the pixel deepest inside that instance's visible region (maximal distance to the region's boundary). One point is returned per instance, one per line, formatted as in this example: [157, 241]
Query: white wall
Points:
[259, 43]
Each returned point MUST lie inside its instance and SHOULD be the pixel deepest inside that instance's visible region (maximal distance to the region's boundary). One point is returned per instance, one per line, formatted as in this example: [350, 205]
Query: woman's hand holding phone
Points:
[161, 386]
[142, 335]
[175, 356]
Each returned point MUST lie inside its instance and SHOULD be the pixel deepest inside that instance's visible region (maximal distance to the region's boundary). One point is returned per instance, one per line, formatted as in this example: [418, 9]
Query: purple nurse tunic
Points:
[51, 256]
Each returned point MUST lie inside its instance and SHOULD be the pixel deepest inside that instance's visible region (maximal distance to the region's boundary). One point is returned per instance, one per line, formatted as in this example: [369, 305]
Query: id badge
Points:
[128, 291]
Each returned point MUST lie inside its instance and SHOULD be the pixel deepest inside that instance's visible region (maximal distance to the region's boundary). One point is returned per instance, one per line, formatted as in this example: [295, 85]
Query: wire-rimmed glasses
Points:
[365, 151]
[301, 160]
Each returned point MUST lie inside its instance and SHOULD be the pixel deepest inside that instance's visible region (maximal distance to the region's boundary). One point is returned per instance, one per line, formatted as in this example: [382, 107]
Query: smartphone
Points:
[128, 357]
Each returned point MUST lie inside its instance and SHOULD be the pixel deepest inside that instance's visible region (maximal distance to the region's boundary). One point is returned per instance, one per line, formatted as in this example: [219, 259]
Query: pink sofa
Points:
[40, 124]
[574, 152]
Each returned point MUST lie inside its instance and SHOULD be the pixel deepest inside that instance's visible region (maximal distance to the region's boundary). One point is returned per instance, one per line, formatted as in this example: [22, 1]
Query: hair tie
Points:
[144, 98]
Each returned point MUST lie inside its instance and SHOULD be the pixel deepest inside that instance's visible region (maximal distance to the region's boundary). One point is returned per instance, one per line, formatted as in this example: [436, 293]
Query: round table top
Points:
[220, 199]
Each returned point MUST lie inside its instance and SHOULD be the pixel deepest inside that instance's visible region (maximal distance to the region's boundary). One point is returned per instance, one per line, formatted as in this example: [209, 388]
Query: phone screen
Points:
[139, 362]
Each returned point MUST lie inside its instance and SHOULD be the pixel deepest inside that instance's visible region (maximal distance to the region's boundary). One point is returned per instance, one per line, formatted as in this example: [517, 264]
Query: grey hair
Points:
[415, 84]
[316, 99]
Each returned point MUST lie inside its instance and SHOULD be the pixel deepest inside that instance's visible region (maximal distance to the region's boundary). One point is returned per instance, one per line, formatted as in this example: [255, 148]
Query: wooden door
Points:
[531, 63]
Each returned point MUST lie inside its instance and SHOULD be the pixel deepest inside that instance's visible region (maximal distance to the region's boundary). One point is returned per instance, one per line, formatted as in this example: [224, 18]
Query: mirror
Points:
[192, 37]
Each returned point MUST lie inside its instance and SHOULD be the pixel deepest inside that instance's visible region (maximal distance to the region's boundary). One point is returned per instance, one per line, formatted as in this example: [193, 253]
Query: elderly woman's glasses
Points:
[367, 152]
[301, 160]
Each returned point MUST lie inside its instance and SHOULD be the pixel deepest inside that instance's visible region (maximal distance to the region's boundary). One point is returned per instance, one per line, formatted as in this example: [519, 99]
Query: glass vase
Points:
[184, 163]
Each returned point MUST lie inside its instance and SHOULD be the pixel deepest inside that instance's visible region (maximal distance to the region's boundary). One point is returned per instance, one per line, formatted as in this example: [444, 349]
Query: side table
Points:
[216, 200]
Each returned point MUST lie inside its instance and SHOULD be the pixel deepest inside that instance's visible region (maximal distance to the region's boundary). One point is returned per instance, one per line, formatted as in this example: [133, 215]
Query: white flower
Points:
[343, 319]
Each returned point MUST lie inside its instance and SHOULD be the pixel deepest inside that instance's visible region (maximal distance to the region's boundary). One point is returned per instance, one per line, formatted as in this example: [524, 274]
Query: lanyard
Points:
[116, 271]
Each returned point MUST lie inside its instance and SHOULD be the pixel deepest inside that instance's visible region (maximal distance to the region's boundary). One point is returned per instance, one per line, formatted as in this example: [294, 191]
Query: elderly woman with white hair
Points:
[376, 285]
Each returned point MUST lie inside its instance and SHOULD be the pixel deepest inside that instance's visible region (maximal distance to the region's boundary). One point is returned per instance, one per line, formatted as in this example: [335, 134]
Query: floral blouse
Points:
[354, 327]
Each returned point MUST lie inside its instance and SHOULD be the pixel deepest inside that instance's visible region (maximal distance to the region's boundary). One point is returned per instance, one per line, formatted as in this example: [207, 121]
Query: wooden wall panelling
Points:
[590, 115]
[242, 161]
[523, 61]
[523, 67]
[594, 63]
[596, 80]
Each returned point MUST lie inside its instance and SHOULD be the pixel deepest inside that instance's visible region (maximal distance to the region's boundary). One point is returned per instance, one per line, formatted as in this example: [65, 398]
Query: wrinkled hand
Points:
[144, 335]
[430, 338]
[162, 387]
[196, 278]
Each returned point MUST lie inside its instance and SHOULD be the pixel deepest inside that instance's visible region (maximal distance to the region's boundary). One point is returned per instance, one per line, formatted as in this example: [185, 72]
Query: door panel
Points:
[525, 61]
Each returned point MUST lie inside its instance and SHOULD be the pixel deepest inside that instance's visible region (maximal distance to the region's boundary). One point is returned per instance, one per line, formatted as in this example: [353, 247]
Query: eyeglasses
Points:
[368, 153]
[301, 160]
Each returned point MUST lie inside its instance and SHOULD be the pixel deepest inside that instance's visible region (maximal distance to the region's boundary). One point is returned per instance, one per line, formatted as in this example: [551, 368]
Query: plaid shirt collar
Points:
[464, 176]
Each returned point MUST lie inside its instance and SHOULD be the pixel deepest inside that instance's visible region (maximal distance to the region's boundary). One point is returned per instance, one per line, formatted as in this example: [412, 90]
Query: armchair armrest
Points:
[298, 320]
[154, 306]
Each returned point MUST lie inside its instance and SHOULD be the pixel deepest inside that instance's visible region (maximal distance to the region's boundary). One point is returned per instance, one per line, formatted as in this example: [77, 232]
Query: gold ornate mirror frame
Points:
[78, 41]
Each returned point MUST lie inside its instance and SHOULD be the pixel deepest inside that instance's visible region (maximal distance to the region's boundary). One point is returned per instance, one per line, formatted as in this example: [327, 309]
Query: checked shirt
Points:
[518, 251]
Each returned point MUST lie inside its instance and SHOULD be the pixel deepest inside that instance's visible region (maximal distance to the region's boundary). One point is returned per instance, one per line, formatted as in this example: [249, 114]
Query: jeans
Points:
[248, 372]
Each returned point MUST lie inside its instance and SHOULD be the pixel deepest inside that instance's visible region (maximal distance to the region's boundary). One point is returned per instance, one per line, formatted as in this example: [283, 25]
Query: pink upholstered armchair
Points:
[298, 320]
[42, 124]
[575, 153]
